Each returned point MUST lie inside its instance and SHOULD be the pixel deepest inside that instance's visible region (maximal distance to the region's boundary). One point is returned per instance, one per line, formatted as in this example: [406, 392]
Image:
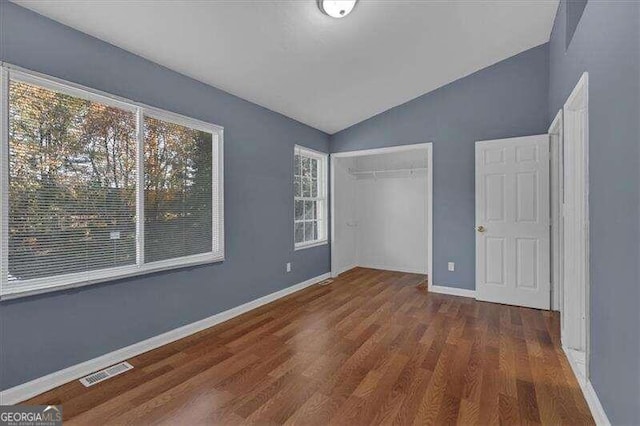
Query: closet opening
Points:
[381, 209]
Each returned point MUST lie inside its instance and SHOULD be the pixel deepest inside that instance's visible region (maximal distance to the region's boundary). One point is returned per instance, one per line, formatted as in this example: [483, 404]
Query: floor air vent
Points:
[107, 373]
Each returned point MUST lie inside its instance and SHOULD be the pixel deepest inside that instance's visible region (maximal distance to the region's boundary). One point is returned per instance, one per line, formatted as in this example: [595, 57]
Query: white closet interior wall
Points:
[381, 211]
[345, 216]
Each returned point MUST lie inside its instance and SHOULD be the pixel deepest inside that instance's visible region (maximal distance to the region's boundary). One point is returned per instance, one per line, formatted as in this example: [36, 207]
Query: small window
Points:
[310, 198]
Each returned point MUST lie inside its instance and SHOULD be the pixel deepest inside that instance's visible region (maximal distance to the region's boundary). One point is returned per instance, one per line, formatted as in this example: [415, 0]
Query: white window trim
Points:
[322, 189]
[12, 290]
[310, 244]
[4, 176]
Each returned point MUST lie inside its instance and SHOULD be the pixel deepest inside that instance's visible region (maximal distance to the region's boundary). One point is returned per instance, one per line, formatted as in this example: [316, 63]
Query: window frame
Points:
[10, 290]
[323, 184]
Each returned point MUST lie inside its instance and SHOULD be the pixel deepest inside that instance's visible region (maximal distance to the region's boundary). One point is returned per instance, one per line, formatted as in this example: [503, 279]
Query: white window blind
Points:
[72, 184]
[310, 197]
[95, 188]
[178, 191]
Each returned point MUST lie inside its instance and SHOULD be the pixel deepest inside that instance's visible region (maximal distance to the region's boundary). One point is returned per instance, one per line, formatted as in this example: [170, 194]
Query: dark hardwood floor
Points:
[372, 347]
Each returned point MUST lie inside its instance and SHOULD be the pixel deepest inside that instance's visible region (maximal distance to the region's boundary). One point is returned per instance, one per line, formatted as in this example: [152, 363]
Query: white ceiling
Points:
[289, 57]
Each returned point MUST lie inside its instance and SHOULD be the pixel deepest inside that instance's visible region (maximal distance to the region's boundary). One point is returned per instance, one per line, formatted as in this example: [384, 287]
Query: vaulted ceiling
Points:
[287, 56]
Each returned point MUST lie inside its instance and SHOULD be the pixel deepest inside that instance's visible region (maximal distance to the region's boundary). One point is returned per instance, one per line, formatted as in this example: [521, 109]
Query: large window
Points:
[95, 188]
[310, 198]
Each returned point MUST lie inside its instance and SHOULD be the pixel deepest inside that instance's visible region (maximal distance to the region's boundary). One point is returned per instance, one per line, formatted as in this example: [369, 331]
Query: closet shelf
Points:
[383, 171]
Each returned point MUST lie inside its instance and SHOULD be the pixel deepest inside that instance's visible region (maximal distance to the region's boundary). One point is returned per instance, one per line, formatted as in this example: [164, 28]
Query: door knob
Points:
[481, 228]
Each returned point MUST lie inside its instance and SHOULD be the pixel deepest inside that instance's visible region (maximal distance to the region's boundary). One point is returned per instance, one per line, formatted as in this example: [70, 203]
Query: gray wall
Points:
[504, 100]
[606, 43]
[573, 13]
[43, 334]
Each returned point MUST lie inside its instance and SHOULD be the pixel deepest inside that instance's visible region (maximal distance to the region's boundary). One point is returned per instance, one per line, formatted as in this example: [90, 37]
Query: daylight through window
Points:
[310, 197]
[96, 188]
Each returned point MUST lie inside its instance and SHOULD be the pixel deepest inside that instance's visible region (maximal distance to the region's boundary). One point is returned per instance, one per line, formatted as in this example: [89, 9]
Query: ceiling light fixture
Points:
[336, 8]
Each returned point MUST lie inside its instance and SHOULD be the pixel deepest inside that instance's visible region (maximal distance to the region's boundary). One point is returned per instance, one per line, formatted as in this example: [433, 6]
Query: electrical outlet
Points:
[451, 266]
[288, 266]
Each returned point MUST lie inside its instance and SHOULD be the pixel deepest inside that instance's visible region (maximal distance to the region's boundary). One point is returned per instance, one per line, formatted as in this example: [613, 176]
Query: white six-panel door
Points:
[512, 221]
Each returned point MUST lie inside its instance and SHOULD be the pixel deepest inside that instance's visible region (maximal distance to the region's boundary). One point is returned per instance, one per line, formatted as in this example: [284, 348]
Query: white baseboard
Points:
[42, 384]
[577, 363]
[453, 291]
[392, 268]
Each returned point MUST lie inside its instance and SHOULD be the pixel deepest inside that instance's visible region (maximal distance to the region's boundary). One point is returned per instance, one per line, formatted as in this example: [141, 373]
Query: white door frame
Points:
[577, 291]
[556, 133]
[428, 147]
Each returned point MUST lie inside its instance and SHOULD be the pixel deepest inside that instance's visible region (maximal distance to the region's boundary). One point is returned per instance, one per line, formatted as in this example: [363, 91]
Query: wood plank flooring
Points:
[372, 347]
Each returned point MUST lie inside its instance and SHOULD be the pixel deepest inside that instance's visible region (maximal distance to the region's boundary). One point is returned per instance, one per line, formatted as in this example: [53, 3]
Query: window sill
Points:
[310, 244]
[82, 279]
